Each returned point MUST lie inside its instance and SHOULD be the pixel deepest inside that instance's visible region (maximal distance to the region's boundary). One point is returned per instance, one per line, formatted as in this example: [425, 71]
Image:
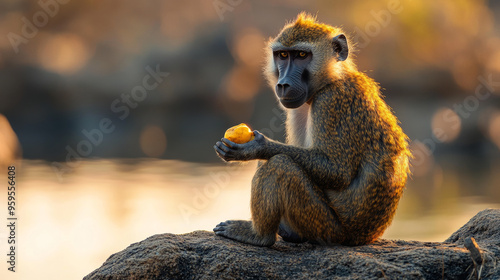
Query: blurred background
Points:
[109, 111]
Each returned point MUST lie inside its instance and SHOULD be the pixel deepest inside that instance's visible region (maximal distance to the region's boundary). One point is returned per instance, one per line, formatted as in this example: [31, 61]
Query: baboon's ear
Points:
[340, 47]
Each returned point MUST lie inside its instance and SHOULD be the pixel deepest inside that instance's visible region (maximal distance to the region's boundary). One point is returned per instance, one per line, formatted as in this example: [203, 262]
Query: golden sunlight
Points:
[63, 53]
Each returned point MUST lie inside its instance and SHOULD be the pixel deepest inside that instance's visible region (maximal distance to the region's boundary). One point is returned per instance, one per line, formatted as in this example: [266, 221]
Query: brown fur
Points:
[305, 29]
[340, 178]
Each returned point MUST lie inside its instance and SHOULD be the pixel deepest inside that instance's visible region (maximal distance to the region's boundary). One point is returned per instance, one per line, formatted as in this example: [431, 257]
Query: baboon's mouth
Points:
[292, 102]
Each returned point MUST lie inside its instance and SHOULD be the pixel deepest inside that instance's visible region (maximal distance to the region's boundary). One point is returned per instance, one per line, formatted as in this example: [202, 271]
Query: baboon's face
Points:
[292, 87]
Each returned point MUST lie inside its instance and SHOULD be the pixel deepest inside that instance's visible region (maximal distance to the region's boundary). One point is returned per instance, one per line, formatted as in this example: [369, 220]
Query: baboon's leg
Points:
[281, 190]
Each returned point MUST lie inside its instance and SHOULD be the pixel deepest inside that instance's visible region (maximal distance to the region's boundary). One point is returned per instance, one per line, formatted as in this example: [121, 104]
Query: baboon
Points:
[340, 175]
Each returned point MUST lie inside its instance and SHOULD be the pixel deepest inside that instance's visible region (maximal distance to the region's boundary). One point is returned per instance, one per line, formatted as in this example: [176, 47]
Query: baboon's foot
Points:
[289, 235]
[243, 231]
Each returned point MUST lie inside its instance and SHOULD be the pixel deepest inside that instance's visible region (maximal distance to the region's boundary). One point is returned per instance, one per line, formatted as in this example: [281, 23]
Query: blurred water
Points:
[68, 228]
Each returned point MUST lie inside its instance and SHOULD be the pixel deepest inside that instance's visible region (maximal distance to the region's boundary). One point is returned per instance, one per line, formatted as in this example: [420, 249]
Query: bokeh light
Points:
[9, 145]
[493, 62]
[153, 141]
[465, 71]
[242, 84]
[249, 47]
[446, 125]
[494, 128]
[63, 53]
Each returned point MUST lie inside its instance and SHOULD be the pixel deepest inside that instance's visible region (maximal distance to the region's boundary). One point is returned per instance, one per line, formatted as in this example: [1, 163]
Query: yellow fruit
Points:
[239, 134]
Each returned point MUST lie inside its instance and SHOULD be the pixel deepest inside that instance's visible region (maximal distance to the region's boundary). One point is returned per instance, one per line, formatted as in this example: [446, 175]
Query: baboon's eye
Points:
[302, 54]
[283, 54]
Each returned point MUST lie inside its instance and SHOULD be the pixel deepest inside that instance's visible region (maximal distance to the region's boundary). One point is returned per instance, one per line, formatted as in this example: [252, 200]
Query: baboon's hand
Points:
[230, 151]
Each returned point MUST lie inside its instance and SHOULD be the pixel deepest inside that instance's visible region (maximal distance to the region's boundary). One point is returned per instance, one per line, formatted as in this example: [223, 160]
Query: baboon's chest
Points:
[299, 126]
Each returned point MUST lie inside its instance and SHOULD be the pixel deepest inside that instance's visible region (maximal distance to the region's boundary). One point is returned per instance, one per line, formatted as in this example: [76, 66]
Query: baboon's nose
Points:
[282, 88]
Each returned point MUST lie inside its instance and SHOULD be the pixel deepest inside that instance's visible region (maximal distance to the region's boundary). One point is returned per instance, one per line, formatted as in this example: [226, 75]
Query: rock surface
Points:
[202, 255]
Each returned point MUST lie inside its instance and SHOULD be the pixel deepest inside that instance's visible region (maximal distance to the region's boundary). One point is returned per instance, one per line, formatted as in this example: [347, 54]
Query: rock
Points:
[484, 227]
[202, 255]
